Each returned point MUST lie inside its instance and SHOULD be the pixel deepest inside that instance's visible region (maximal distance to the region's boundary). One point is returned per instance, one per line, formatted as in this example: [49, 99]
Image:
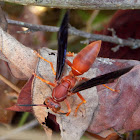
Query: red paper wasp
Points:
[65, 86]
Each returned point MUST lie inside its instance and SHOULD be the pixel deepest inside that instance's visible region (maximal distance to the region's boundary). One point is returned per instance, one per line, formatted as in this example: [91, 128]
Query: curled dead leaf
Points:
[17, 54]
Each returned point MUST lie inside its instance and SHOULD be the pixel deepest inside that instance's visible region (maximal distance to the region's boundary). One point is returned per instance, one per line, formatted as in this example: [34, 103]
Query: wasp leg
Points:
[114, 90]
[70, 54]
[45, 81]
[46, 61]
[68, 106]
[70, 64]
[62, 112]
[83, 101]
[81, 78]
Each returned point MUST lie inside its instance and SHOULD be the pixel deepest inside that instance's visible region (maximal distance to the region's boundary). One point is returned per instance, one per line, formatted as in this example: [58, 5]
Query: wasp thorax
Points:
[54, 106]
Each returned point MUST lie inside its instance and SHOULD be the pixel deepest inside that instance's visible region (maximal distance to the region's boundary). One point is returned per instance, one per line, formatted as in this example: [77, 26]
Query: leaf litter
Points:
[26, 61]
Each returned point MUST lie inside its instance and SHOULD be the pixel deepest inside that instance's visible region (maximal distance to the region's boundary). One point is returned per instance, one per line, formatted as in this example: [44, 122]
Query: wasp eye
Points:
[56, 106]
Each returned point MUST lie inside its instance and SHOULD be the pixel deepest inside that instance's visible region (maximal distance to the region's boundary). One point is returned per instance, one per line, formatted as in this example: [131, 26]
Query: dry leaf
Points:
[73, 127]
[126, 25]
[33, 40]
[3, 21]
[24, 98]
[17, 54]
[119, 110]
[5, 115]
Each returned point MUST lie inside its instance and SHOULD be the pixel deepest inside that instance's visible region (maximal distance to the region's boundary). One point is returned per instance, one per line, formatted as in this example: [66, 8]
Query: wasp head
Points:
[50, 103]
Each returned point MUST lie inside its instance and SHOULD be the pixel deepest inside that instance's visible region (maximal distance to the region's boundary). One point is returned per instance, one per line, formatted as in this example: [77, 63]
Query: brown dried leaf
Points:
[24, 98]
[126, 25]
[119, 110]
[105, 65]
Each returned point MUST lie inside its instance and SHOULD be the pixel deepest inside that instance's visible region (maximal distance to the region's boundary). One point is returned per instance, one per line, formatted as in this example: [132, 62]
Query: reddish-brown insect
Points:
[81, 63]
[66, 86]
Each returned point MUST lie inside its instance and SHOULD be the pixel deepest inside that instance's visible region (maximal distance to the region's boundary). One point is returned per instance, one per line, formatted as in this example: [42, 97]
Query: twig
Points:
[9, 84]
[132, 43]
[115, 49]
[105, 38]
[113, 32]
[34, 26]
[19, 129]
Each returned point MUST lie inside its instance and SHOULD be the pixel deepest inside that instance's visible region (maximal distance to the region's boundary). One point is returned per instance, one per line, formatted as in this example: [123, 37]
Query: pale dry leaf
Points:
[71, 127]
[16, 72]
[17, 54]
[41, 90]
[33, 40]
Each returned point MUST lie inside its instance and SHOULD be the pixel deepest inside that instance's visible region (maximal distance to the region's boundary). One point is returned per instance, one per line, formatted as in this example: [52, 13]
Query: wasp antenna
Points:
[32, 105]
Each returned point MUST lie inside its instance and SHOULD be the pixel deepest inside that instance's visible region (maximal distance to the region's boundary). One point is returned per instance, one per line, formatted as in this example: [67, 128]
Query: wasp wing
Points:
[102, 79]
[62, 46]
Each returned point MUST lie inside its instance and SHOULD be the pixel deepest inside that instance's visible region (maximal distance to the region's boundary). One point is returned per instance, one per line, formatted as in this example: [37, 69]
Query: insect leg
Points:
[71, 65]
[110, 88]
[46, 61]
[83, 101]
[62, 112]
[68, 106]
[68, 62]
[45, 81]
[70, 54]
[81, 78]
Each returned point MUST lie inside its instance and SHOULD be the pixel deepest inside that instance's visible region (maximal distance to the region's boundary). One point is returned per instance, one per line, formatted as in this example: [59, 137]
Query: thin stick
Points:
[133, 43]
[19, 129]
[6, 81]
